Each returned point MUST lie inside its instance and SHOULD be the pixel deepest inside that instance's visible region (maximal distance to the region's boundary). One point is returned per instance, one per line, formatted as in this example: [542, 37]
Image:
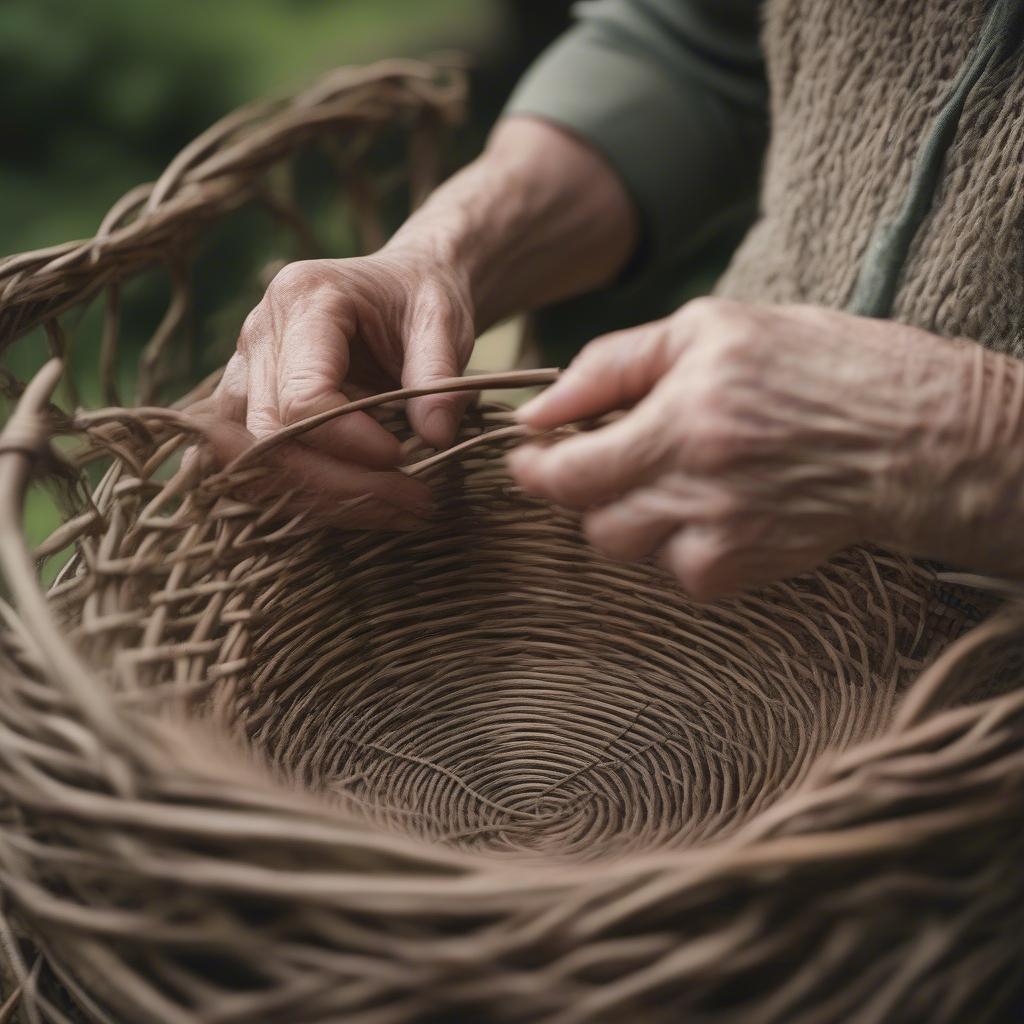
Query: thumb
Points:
[434, 354]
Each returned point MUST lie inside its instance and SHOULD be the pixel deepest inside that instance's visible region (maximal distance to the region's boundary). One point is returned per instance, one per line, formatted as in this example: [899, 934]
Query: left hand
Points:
[760, 439]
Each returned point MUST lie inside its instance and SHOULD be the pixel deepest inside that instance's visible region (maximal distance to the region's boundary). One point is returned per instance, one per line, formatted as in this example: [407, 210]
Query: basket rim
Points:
[849, 813]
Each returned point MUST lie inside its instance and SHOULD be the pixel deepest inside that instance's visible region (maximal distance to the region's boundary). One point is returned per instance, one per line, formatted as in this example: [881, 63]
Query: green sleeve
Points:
[673, 94]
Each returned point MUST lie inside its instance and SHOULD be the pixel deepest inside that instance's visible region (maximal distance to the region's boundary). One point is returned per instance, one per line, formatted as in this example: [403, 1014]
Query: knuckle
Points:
[702, 308]
[711, 444]
[699, 564]
[254, 327]
[726, 329]
[567, 480]
[701, 586]
[299, 285]
[292, 402]
[261, 421]
[732, 346]
[600, 347]
[647, 445]
[598, 530]
[295, 279]
[436, 309]
[714, 309]
[298, 393]
[725, 509]
[561, 486]
[603, 530]
[651, 354]
[435, 364]
[434, 297]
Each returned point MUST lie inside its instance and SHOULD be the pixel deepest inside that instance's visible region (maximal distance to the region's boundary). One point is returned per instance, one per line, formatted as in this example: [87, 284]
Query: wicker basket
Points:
[256, 770]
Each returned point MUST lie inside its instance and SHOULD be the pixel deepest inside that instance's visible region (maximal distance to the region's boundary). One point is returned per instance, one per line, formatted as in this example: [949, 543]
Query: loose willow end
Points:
[253, 769]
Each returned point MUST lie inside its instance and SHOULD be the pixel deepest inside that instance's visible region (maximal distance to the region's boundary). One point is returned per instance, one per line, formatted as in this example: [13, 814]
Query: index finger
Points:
[595, 467]
[612, 372]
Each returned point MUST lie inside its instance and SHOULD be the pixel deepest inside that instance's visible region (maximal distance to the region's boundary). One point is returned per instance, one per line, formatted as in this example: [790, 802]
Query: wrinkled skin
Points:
[537, 217]
[756, 440]
[759, 440]
[326, 332]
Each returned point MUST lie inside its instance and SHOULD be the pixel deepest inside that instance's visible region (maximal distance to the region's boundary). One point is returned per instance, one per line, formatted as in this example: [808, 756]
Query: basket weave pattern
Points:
[256, 770]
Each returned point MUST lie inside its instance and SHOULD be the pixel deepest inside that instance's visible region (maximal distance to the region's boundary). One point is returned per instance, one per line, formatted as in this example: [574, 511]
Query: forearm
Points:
[538, 217]
[960, 491]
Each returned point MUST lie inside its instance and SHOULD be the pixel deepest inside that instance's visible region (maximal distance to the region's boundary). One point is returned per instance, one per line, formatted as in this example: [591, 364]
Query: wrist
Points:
[430, 259]
[440, 248]
[538, 217]
[470, 231]
[954, 487]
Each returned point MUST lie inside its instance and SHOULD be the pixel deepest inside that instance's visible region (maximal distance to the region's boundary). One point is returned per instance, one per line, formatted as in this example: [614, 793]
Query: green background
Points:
[99, 94]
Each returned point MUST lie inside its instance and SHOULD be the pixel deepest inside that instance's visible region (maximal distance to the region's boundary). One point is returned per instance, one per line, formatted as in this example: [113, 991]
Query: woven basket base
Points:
[493, 683]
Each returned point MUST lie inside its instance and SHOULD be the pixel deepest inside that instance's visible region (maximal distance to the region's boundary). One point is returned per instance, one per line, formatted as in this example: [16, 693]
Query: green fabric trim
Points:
[887, 252]
[673, 95]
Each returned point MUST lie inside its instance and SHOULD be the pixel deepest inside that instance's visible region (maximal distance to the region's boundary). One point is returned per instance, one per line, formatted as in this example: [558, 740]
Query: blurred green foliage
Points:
[99, 95]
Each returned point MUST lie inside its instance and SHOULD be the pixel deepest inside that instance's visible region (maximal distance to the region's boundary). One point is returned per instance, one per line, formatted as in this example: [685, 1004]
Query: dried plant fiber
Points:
[255, 770]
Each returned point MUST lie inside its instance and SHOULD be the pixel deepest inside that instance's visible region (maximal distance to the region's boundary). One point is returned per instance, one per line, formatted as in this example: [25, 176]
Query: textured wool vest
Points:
[856, 86]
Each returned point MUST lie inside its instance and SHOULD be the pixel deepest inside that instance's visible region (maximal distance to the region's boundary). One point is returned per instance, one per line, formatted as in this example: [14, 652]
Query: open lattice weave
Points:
[255, 770]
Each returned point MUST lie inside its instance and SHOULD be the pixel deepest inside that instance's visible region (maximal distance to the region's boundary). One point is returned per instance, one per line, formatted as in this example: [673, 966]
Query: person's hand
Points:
[538, 217]
[760, 439]
[327, 330]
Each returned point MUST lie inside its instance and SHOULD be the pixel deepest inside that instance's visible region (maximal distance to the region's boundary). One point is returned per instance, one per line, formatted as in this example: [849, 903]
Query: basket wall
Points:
[252, 769]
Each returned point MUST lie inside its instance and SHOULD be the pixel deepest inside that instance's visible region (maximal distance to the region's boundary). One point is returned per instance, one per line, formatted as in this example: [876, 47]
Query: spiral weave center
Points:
[492, 683]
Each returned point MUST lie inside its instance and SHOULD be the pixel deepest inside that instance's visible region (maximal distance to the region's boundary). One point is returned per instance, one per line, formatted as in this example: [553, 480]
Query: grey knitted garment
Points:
[856, 86]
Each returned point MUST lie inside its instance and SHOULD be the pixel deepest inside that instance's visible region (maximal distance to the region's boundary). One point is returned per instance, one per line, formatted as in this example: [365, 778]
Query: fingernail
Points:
[440, 424]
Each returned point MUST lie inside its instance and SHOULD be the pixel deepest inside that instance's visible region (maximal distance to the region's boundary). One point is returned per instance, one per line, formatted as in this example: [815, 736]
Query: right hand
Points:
[325, 332]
